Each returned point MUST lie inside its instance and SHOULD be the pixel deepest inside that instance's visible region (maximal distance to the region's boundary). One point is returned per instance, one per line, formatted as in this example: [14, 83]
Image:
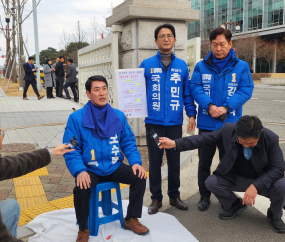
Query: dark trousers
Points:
[155, 161]
[60, 80]
[49, 91]
[72, 86]
[206, 155]
[56, 87]
[226, 197]
[124, 174]
[34, 85]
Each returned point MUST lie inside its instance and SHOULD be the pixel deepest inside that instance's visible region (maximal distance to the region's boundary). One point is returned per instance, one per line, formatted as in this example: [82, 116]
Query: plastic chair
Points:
[107, 206]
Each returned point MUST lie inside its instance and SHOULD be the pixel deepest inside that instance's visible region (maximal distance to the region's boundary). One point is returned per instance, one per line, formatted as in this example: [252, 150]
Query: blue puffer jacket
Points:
[104, 156]
[167, 92]
[231, 88]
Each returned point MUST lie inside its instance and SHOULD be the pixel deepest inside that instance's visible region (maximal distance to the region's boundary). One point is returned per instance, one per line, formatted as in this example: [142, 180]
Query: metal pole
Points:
[10, 74]
[18, 37]
[37, 44]
[6, 68]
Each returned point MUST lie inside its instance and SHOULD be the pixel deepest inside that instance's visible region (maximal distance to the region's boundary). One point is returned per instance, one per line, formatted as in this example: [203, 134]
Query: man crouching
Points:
[104, 134]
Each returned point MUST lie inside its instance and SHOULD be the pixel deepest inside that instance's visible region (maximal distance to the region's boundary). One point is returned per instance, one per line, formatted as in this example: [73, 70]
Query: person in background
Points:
[30, 78]
[15, 166]
[49, 78]
[221, 84]
[59, 72]
[70, 80]
[56, 80]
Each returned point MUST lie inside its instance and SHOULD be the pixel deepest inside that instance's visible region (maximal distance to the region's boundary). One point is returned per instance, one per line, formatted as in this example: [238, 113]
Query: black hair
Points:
[61, 57]
[219, 31]
[47, 60]
[88, 83]
[31, 58]
[70, 60]
[168, 26]
[249, 127]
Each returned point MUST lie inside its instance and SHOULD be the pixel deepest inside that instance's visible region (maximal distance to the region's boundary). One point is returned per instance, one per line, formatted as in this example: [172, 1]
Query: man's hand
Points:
[222, 110]
[214, 111]
[166, 143]
[61, 150]
[142, 173]
[249, 195]
[192, 124]
[83, 180]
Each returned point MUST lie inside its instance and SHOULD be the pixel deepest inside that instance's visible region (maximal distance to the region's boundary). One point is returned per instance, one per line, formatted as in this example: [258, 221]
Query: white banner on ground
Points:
[132, 92]
[60, 226]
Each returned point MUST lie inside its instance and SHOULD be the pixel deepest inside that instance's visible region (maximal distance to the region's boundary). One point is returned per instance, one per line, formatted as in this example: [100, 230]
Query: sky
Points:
[54, 16]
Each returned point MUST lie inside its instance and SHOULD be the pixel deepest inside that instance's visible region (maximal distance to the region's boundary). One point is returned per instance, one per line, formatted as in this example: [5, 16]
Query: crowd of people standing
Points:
[54, 76]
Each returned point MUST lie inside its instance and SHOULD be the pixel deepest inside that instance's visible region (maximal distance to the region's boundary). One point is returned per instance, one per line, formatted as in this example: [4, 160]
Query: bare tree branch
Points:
[30, 12]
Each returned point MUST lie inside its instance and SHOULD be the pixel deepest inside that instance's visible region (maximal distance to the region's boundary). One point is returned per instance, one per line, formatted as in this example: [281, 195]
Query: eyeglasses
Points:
[169, 36]
[2, 134]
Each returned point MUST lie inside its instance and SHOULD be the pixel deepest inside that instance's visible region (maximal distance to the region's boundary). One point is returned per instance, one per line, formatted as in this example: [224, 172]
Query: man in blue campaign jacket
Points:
[220, 84]
[167, 88]
[104, 135]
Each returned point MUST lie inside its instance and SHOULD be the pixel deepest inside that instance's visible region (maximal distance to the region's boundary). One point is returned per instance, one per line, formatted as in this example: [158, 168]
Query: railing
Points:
[100, 58]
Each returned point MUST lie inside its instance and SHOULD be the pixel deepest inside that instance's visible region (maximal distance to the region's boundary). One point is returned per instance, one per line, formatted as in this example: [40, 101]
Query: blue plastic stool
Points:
[107, 205]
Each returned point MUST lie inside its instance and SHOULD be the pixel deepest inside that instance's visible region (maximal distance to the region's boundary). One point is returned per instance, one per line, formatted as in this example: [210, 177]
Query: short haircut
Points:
[61, 57]
[219, 31]
[249, 127]
[70, 60]
[167, 26]
[47, 60]
[31, 58]
[88, 83]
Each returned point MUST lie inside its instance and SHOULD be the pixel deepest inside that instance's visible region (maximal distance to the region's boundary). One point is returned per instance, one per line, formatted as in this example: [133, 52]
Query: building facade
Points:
[265, 18]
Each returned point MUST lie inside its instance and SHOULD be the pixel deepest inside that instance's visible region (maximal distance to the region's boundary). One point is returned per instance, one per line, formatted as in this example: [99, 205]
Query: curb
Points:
[186, 157]
[271, 87]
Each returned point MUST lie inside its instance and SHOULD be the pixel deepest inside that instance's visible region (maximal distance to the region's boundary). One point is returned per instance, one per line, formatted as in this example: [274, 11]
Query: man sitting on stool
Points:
[253, 163]
[103, 133]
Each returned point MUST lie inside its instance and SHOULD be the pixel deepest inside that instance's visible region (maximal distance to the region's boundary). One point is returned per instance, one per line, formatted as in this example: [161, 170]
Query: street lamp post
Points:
[37, 44]
[231, 23]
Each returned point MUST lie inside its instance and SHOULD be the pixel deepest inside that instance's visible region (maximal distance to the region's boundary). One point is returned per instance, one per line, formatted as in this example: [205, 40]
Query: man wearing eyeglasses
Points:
[15, 166]
[253, 163]
[221, 84]
[167, 87]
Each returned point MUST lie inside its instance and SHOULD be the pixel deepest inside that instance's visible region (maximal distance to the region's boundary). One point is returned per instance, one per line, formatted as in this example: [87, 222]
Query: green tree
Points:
[74, 46]
[49, 53]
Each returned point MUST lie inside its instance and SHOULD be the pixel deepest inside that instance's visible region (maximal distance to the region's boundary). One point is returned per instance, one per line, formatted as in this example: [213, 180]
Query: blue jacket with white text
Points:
[231, 88]
[167, 92]
[101, 157]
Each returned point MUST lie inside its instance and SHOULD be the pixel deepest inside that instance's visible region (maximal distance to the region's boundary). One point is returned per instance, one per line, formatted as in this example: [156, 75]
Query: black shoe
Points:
[154, 206]
[177, 202]
[236, 208]
[49, 98]
[67, 98]
[52, 97]
[204, 203]
[277, 224]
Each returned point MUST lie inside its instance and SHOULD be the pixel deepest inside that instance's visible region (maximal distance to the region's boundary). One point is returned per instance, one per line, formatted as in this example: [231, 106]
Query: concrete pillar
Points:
[245, 15]
[254, 58]
[274, 59]
[139, 18]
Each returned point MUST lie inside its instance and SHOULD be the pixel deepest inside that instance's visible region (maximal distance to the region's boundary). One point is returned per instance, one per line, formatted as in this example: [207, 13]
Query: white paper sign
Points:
[132, 92]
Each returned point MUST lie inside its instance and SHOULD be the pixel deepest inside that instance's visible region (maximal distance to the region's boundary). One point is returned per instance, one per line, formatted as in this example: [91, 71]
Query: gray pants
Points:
[226, 197]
